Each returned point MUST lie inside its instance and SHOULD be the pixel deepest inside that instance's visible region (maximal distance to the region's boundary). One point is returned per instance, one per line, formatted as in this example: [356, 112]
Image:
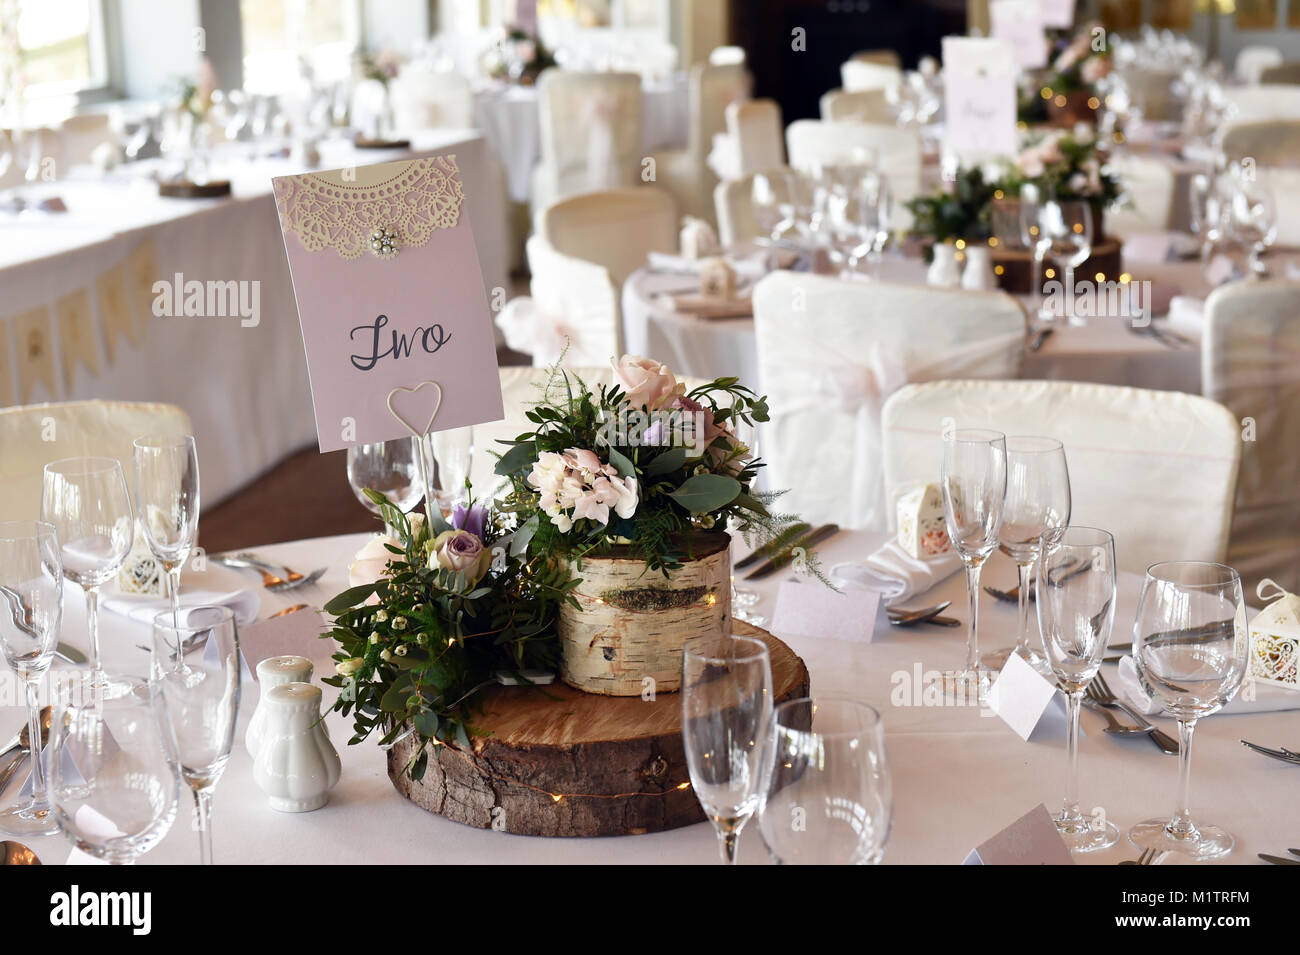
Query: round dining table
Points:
[960, 774]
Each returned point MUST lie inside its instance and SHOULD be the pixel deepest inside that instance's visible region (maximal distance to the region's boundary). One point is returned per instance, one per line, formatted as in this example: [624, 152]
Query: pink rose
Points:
[460, 551]
[706, 432]
[647, 383]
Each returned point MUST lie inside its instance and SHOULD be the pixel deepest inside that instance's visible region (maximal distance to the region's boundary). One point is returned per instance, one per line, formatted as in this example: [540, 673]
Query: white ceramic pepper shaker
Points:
[273, 671]
[297, 764]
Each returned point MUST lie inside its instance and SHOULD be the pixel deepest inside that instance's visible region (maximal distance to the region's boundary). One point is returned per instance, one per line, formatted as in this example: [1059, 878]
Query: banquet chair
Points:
[1253, 60]
[727, 56]
[423, 99]
[1275, 101]
[864, 106]
[79, 135]
[859, 75]
[830, 352]
[897, 153]
[1273, 142]
[1157, 469]
[1283, 73]
[1250, 362]
[755, 128]
[34, 435]
[733, 201]
[685, 173]
[590, 134]
[616, 229]
[1150, 186]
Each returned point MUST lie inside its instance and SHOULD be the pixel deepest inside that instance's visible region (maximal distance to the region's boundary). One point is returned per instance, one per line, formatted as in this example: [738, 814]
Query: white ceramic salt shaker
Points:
[944, 271]
[979, 276]
[273, 671]
[297, 765]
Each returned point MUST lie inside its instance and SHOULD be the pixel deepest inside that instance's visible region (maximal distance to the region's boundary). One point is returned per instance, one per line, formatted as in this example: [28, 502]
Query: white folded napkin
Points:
[142, 609]
[1187, 315]
[753, 266]
[895, 573]
[1268, 698]
[1156, 247]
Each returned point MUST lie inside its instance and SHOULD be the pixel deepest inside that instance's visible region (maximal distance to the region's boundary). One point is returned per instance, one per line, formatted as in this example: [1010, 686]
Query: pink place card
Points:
[811, 610]
[980, 97]
[1057, 14]
[1019, 24]
[390, 298]
[296, 634]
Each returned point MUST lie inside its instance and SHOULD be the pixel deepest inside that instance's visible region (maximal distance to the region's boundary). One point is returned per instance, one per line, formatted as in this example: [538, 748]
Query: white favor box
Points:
[1275, 638]
[698, 239]
[921, 529]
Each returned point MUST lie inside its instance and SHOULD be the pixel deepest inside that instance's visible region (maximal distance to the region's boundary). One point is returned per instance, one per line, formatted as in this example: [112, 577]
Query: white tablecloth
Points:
[245, 388]
[958, 775]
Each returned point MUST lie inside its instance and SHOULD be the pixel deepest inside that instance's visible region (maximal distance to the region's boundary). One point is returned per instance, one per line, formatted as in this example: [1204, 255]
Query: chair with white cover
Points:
[685, 172]
[830, 352]
[590, 134]
[424, 99]
[1158, 469]
[733, 201]
[1275, 101]
[754, 126]
[1271, 142]
[863, 106]
[617, 229]
[1250, 362]
[79, 136]
[897, 153]
[34, 435]
[1253, 60]
[1150, 186]
[1283, 73]
[727, 56]
[858, 75]
[882, 57]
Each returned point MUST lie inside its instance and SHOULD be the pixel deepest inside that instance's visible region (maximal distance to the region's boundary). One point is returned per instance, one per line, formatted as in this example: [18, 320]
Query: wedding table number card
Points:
[1027, 701]
[390, 297]
[1030, 840]
[1057, 14]
[811, 610]
[979, 81]
[1019, 23]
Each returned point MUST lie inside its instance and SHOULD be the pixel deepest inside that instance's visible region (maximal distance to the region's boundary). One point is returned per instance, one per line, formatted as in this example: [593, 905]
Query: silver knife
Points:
[1278, 860]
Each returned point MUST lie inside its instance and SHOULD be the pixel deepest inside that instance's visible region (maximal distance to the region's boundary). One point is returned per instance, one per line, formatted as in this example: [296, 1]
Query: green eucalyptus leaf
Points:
[350, 598]
[671, 460]
[706, 492]
[621, 464]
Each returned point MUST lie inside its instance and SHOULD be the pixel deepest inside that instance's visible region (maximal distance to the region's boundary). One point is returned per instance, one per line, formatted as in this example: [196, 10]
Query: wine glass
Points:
[167, 497]
[1207, 210]
[974, 486]
[1076, 608]
[771, 203]
[828, 798]
[1035, 512]
[1031, 238]
[1066, 228]
[196, 678]
[390, 467]
[31, 585]
[726, 710]
[1252, 216]
[452, 451]
[1191, 647]
[112, 789]
[86, 501]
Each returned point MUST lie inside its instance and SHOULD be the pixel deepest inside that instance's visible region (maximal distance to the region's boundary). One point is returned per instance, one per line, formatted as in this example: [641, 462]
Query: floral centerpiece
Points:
[382, 67]
[1067, 166]
[519, 57]
[960, 211]
[1070, 89]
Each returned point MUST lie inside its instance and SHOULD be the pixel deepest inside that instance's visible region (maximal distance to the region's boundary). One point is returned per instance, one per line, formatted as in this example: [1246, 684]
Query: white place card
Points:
[1019, 24]
[1056, 14]
[979, 80]
[287, 634]
[1030, 840]
[1027, 701]
[810, 610]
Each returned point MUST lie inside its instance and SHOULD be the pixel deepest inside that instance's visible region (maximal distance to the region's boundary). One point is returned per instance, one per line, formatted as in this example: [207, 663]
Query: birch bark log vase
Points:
[627, 637]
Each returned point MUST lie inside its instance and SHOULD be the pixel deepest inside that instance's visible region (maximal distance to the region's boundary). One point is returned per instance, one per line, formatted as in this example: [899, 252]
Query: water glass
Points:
[1066, 228]
[726, 714]
[167, 498]
[1191, 648]
[452, 451]
[828, 798]
[390, 467]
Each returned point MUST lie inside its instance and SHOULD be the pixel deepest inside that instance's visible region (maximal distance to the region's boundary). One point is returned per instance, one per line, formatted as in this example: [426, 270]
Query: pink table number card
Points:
[1057, 14]
[394, 318]
[1019, 23]
[979, 78]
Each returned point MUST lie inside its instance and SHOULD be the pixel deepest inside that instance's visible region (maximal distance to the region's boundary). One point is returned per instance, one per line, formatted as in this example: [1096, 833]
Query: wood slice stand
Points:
[184, 189]
[615, 763]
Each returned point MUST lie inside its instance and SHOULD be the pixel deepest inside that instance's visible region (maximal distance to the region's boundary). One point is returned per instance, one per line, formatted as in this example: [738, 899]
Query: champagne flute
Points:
[196, 679]
[1076, 608]
[390, 467]
[167, 496]
[828, 798]
[974, 486]
[1191, 648]
[31, 585]
[452, 451]
[726, 712]
[1066, 228]
[112, 789]
[86, 501]
[1036, 511]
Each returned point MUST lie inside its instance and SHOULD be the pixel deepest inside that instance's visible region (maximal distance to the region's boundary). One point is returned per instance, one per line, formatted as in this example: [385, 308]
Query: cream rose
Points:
[371, 561]
[647, 383]
[461, 552]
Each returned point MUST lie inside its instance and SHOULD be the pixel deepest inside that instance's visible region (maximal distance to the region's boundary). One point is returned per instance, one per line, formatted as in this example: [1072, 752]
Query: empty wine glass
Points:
[1035, 512]
[1191, 647]
[31, 609]
[1066, 227]
[390, 467]
[167, 498]
[726, 712]
[112, 789]
[196, 677]
[1032, 238]
[1252, 217]
[86, 501]
[770, 201]
[828, 798]
[452, 451]
[974, 486]
[1076, 608]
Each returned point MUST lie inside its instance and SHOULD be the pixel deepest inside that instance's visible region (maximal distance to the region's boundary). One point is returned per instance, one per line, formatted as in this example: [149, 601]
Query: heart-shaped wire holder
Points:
[423, 442]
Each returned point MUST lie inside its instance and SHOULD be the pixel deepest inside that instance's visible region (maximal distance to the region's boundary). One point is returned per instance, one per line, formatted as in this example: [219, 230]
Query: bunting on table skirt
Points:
[34, 349]
[76, 335]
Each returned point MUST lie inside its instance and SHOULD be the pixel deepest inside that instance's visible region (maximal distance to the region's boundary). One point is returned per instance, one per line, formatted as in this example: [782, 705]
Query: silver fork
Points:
[1148, 857]
[1102, 695]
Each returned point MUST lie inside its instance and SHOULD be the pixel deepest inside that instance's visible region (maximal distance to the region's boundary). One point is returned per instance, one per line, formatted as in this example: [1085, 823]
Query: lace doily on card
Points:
[426, 195]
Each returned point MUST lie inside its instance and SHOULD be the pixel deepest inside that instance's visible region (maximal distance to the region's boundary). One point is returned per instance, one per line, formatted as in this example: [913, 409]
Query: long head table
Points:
[959, 774]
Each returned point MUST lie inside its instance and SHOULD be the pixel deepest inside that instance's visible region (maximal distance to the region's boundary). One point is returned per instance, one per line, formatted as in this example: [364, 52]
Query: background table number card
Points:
[979, 77]
[1019, 24]
[390, 296]
[1057, 14]
[1030, 840]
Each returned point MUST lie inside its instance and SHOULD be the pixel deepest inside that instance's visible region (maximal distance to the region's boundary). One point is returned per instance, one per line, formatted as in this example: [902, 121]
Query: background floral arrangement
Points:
[519, 56]
[382, 67]
[1079, 63]
[960, 212]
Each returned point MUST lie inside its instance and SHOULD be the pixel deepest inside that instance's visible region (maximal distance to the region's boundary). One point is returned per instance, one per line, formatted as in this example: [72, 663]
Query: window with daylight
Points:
[279, 34]
[52, 47]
